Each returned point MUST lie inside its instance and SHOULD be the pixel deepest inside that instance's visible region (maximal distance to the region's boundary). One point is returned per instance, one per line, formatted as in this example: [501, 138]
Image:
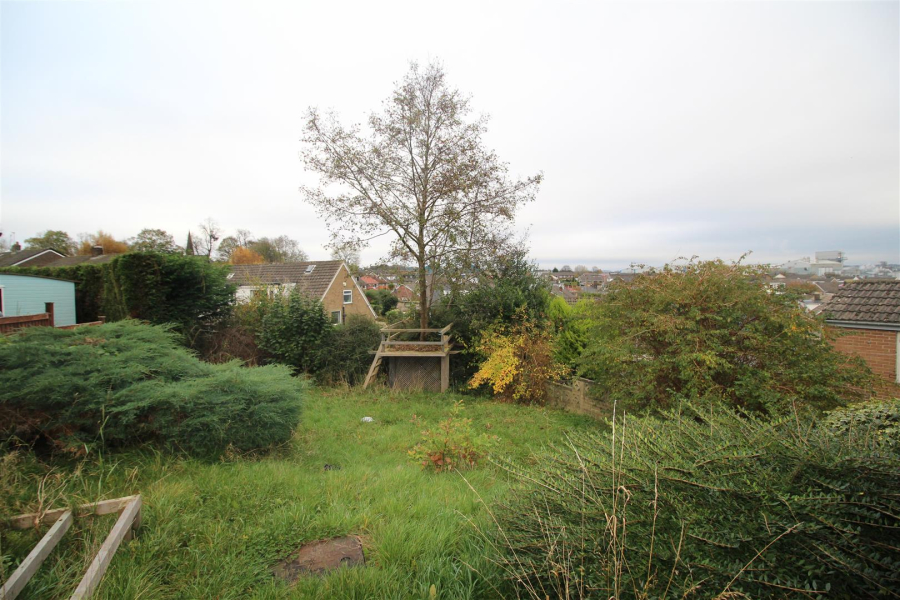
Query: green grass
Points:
[213, 530]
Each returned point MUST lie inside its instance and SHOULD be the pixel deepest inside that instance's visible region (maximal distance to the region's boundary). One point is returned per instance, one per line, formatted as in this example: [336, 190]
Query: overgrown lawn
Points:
[214, 530]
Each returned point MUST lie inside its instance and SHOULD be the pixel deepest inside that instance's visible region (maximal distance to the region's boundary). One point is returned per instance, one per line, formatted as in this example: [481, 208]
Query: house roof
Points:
[9, 259]
[69, 261]
[865, 301]
[313, 282]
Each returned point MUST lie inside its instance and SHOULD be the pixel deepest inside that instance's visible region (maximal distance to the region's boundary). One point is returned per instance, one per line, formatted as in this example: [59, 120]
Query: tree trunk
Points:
[423, 300]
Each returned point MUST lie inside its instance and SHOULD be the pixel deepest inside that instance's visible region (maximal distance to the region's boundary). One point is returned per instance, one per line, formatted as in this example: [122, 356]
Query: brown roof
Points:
[31, 257]
[70, 261]
[872, 301]
[313, 282]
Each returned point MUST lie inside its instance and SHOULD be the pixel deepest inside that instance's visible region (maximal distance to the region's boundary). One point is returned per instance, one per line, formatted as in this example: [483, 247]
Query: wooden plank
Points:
[35, 558]
[104, 507]
[415, 343]
[25, 318]
[391, 330]
[423, 354]
[100, 563]
[445, 373]
[373, 370]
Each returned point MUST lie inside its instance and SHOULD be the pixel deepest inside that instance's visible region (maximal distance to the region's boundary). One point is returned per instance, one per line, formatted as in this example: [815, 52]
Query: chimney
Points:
[96, 250]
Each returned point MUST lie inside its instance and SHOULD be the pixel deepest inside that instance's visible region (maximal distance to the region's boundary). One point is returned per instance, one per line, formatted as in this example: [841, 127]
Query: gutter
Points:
[864, 325]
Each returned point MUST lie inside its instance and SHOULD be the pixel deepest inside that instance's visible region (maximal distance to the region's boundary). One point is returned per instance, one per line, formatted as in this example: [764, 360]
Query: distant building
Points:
[328, 281]
[868, 311]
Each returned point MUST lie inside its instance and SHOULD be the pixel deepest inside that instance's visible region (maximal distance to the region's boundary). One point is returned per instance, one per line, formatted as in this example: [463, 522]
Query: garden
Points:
[741, 456]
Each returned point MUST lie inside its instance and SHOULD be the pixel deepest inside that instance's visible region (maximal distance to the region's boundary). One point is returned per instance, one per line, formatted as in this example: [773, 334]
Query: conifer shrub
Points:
[125, 383]
[706, 503]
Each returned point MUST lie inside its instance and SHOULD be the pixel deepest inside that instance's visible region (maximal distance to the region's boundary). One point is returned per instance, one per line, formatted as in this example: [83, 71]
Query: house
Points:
[868, 311]
[27, 295]
[48, 257]
[33, 257]
[406, 297]
[96, 257]
[328, 281]
[367, 282]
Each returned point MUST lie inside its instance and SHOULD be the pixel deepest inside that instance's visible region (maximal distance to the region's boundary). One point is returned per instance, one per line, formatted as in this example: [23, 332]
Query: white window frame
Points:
[340, 317]
[350, 292]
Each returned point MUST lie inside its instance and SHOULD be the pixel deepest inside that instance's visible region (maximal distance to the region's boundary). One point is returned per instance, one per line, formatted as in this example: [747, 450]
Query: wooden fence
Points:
[11, 324]
[44, 319]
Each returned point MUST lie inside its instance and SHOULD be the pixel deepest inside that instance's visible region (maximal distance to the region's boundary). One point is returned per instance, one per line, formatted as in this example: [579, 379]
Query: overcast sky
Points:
[662, 129]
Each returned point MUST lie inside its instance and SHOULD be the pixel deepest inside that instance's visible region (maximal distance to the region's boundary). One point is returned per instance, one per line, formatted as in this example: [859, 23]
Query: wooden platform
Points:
[391, 347]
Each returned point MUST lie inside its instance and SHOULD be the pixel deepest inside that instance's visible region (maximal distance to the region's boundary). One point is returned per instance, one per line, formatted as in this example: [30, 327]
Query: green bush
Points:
[346, 357]
[294, 331]
[713, 331]
[382, 301]
[452, 445]
[705, 504]
[124, 383]
[879, 419]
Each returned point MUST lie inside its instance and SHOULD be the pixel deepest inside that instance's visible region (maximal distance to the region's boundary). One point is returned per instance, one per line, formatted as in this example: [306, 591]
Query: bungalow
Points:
[328, 281]
[868, 311]
[33, 257]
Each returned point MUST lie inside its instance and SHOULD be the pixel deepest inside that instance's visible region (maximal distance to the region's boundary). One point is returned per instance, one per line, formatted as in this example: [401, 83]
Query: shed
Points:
[22, 295]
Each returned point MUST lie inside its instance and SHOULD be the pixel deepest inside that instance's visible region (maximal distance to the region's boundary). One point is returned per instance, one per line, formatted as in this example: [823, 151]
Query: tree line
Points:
[241, 247]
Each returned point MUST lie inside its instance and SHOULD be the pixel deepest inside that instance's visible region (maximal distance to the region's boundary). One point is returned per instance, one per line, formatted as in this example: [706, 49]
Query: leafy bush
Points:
[346, 357]
[505, 291]
[452, 445]
[518, 361]
[294, 330]
[879, 419]
[124, 383]
[382, 301]
[706, 504]
[714, 331]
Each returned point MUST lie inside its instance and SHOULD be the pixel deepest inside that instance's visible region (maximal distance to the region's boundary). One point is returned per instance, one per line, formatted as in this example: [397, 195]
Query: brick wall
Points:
[878, 348]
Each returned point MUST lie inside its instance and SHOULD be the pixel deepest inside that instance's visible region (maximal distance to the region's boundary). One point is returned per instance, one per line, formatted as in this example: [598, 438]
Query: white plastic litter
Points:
[367, 420]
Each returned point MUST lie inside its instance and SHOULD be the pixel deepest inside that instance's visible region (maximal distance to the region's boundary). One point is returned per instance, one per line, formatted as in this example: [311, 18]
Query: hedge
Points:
[188, 291]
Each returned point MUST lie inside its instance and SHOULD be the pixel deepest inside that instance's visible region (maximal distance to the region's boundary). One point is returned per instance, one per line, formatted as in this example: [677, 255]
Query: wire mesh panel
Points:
[412, 373]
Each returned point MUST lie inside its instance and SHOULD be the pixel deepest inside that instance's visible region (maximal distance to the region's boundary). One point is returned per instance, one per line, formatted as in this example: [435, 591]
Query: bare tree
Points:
[210, 232]
[422, 175]
[348, 254]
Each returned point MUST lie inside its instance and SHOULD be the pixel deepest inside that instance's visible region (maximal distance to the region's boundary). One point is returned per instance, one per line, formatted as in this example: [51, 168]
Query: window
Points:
[348, 296]
[309, 269]
[336, 317]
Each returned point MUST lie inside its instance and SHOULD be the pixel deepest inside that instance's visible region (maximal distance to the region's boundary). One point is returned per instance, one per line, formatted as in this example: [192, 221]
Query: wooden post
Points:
[36, 557]
[48, 308]
[445, 372]
[100, 563]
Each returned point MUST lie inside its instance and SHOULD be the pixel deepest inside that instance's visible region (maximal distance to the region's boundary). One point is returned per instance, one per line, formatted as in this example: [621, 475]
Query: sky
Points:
[662, 129]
